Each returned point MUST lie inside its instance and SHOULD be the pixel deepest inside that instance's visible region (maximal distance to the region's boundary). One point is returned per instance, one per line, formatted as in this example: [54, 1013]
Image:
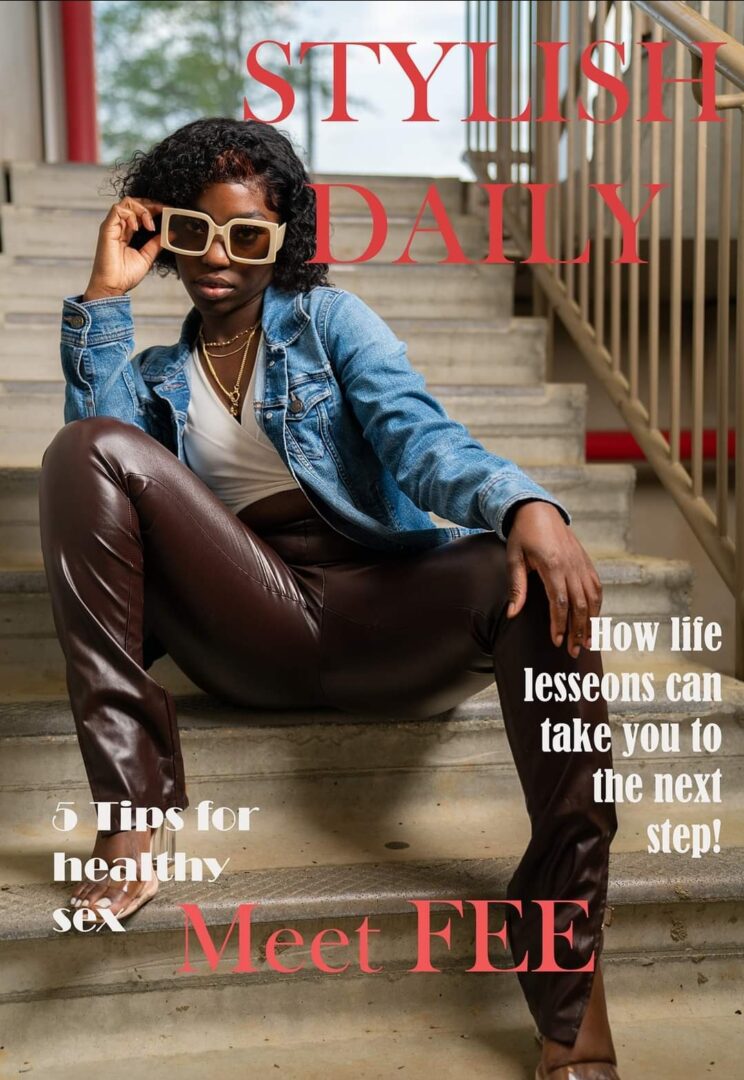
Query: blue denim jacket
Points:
[339, 399]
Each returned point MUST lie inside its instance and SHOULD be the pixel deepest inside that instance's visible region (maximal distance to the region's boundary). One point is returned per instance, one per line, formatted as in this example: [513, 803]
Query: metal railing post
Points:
[641, 359]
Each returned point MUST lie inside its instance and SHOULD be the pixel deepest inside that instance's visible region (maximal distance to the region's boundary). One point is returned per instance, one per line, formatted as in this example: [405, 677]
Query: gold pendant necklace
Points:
[232, 395]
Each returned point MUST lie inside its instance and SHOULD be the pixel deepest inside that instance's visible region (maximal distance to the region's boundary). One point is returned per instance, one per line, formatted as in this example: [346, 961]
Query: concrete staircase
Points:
[357, 816]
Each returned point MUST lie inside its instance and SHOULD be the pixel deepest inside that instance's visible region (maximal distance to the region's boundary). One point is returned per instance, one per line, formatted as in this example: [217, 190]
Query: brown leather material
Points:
[580, 1070]
[280, 508]
[142, 557]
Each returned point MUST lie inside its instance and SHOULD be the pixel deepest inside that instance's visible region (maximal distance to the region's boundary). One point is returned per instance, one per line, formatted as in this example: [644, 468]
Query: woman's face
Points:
[217, 285]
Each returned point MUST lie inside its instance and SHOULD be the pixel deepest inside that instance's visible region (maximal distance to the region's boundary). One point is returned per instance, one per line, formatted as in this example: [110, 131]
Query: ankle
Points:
[594, 1038]
[556, 1054]
[126, 842]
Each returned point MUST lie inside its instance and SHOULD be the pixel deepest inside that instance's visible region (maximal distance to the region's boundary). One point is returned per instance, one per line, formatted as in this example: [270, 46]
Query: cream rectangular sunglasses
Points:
[247, 240]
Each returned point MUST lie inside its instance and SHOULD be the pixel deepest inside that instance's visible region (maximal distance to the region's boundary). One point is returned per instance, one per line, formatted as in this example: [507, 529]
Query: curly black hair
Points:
[217, 150]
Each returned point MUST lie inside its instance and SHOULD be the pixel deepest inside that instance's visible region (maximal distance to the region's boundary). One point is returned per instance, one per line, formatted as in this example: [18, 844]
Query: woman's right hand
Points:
[117, 267]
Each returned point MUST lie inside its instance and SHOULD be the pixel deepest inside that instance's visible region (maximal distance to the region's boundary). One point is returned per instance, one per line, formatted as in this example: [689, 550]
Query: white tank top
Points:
[237, 461]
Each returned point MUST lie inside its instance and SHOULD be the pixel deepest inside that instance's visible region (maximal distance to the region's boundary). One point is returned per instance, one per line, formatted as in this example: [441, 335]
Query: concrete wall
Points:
[658, 527]
[21, 127]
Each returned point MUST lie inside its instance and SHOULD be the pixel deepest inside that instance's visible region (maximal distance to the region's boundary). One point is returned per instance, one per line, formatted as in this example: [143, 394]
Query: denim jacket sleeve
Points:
[97, 342]
[433, 458]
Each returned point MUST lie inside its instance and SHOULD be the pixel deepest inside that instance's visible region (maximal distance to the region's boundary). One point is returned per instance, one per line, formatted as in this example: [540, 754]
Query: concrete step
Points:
[340, 802]
[88, 187]
[674, 1011]
[358, 816]
[447, 351]
[345, 797]
[669, 1017]
[348, 786]
[34, 287]
[529, 425]
[44, 231]
[333, 818]
[598, 497]
[32, 665]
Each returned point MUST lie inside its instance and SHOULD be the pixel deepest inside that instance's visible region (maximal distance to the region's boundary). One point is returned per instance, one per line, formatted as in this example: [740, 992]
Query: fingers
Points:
[578, 619]
[556, 588]
[151, 249]
[129, 224]
[517, 582]
[145, 208]
[539, 539]
[132, 214]
[575, 598]
[141, 203]
[593, 591]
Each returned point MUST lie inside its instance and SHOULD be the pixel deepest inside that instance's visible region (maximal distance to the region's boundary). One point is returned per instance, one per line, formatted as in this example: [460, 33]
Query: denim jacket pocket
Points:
[307, 416]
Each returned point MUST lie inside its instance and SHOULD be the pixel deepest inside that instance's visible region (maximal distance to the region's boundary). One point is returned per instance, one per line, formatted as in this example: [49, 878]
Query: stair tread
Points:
[608, 470]
[341, 887]
[372, 1049]
[13, 389]
[33, 288]
[503, 327]
[344, 269]
[44, 717]
[103, 171]
[308, 892]
[612, 567]
[19, 387]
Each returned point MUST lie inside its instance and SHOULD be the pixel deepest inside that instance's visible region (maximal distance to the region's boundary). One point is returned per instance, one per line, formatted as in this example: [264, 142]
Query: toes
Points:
[118, 896]
[94, 894]
[90, 893]
[74, 900]
[80, 896]
[108, 894]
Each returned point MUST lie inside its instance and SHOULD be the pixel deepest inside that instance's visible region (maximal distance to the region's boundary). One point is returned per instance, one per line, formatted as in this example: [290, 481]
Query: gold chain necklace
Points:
[230, 352]
[216, 344]
[234, 394]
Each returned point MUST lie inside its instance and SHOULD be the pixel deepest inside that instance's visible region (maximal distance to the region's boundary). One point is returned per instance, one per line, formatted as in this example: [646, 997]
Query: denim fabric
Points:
[353, 420]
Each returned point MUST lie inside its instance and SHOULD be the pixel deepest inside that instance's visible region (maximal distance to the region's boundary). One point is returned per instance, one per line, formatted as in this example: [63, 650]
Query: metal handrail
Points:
[689, 27]
[627, 322]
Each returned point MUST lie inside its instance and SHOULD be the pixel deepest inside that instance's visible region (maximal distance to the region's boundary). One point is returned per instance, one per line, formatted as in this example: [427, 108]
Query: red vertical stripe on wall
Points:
[621, 446]
[78, 50]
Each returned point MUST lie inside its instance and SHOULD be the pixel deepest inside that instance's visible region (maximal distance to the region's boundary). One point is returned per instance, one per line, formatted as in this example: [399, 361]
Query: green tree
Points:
[162, 63]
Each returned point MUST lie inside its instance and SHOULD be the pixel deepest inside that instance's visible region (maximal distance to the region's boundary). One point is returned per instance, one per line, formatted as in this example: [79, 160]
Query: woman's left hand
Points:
[539, 539]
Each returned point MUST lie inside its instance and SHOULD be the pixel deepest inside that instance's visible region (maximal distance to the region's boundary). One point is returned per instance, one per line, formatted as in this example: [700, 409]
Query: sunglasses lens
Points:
[249, 241]
[187, 233]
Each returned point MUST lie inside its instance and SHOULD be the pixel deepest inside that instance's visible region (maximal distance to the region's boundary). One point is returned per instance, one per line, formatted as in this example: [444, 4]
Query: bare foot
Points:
[594, 1041]
[108, 893]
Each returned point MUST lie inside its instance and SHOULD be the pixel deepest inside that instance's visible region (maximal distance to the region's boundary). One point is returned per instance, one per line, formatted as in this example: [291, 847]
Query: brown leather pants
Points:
[141, 557]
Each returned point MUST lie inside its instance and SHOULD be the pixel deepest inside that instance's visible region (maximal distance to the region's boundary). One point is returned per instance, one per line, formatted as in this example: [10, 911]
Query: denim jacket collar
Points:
[283, 319]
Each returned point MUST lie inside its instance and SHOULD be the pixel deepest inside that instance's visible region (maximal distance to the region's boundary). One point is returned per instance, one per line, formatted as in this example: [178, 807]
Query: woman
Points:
[253, 501]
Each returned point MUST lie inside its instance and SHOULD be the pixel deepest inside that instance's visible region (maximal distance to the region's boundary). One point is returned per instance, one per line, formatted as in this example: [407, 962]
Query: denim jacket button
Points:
[269, 415]
[75, 321]
[295, 405]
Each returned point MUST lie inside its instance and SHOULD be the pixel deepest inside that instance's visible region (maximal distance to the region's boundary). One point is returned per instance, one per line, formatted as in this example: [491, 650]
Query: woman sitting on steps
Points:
[253, 501]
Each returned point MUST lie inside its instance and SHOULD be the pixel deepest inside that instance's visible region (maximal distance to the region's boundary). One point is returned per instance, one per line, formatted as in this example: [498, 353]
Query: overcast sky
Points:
[381, 142]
